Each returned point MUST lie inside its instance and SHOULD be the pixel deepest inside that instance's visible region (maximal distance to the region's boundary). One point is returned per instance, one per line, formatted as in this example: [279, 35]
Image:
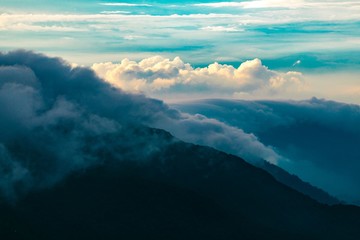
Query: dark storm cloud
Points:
[49, 111]
[55, 119]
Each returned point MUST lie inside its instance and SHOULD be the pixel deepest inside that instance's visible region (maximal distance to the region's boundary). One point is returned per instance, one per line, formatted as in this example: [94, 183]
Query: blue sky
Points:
[320, 39]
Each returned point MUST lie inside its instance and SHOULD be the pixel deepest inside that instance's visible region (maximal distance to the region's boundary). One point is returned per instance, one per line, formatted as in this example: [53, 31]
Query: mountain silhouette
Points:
[183, 191]
[299, 185]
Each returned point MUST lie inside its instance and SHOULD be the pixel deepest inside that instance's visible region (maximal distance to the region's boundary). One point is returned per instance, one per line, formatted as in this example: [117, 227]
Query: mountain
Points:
[182, 191]
[296, 183]
[219, 109]
[318, 138]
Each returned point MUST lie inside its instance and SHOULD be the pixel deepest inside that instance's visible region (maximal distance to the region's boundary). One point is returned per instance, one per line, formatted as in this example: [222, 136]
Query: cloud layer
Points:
[55, 119]
[202, 33]
[320, 137]
[158, 75]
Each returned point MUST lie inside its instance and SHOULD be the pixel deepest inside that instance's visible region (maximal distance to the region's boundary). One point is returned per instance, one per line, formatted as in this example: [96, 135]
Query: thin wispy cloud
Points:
[222, 29]
[123, 4]
[220, 4]
[115, 12]
[296, 63]
[254, 4]
[292, 4]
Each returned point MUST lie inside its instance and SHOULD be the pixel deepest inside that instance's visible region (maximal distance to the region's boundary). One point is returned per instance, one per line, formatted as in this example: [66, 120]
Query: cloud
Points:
[262, 33]
[133, 37]
[257, 4]
[219, 4]
[298, 62]
[320, 137]
[115, 12]
[121, 4]
[56, 118]
[38, 28]
[221, 29]
[292, 4]
[158, 74]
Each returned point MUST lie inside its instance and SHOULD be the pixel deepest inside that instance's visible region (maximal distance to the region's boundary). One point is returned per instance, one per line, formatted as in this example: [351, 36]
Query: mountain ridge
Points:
[318, 143]
[183, 191]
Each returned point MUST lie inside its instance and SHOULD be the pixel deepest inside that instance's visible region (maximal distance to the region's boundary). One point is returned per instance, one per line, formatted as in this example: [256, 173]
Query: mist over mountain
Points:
[49, 110]
[80, 159]
[320, 137]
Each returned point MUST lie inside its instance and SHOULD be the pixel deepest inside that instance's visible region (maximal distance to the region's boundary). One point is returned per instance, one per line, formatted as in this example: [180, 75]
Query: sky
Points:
[314, 42]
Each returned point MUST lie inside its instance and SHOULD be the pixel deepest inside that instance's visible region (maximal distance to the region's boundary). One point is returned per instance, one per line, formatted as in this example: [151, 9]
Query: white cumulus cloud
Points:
[158, 74]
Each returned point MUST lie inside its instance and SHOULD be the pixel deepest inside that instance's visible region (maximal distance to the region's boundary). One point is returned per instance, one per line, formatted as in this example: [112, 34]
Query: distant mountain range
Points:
[184, 191]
